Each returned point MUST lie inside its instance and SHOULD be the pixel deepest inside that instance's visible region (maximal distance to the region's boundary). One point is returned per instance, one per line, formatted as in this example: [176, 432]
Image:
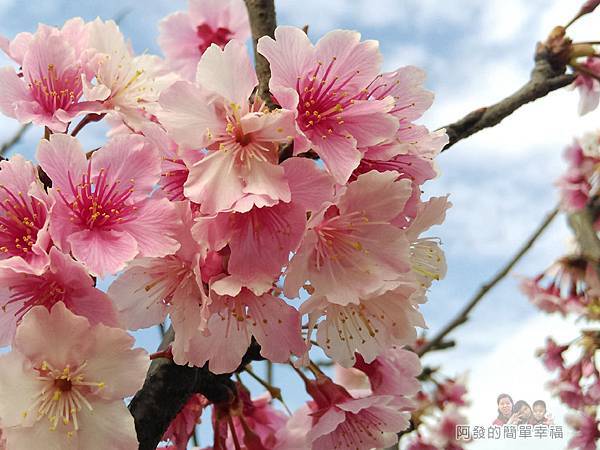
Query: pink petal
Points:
[179, 42]
[378, 194]
[361, 59]
[60, 156]
[227, 72]
[406, 86]
[103, 252]
[188, 115]
[290, 55]
[275, 325]
[369, 122]
[18, 385]
[339, 155]
[12, 91]
[207, 185]
[265, 236]
[130, 158]
[109, 426]
[139, 296]
[310, 186]
[57, 336]
[154, 228]
[115, 363]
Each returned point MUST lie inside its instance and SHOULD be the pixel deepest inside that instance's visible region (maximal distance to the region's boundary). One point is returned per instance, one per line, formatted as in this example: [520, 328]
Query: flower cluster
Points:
[210, 209]
[571, 287]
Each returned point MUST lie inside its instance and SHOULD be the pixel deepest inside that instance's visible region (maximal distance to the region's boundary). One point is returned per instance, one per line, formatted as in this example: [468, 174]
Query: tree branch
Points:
[547, 75]
[263, 22]
[463, 315]
[14, 140]
[168, 387]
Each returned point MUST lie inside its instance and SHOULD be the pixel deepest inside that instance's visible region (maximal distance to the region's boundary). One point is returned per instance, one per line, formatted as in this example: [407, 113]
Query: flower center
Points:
[323, 98]
[56, 91]
[208, 36]
[100, 203]
[336, 237]
[33, 291]
[63, 395]
[21, 217]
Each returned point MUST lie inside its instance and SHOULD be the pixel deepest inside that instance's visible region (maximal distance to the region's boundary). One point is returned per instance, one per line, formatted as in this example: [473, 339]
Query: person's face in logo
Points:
[525, 412]
[538, 412]
[505, 406]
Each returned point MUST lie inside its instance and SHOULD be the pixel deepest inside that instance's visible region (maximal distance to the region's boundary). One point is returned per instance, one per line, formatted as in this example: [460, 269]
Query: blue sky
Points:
[500, 180]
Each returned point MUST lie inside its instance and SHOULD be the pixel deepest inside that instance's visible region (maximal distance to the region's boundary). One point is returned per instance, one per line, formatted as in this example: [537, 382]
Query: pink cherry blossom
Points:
[451, 391]
[370, 328]
[103, 213]
[256, 423]
[151, 288]
[392, 373]
[342, 422]
[588, 431]
[184, 424]
[325, 85]
[351, 249]
[64, 382]
[443, 429]
[185, 36]
[233, 322]
[125, 85]
[552, 354]
[24, 217]
[579, 183]
[242, 138]
[561, 287]
[48, 90]
[265, 236]
[65, 281]
[588, 86]
[174, 172]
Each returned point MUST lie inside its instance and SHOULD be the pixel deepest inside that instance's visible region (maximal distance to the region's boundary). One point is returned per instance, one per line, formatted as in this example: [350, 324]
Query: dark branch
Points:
[168, 387]
[548, 75]
[437, 342]
[263, 23]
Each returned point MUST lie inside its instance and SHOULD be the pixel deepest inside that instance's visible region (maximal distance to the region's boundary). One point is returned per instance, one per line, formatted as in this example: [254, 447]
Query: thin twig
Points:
[14, 140]
[463, 315]
[547, 75]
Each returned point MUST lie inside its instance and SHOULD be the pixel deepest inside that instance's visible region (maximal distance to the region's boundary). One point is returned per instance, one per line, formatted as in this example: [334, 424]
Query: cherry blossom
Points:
[351, 249]
[325, 85]
[24, 217]
[337, 420]
[151, 288]
[588, 86]
[125, 85]
[233, 322]
[103, 213]
[185, 36]
[64, 281]
[64, 382]
[242, 138]
[369, 328]
[587, 431]
[48, 89]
